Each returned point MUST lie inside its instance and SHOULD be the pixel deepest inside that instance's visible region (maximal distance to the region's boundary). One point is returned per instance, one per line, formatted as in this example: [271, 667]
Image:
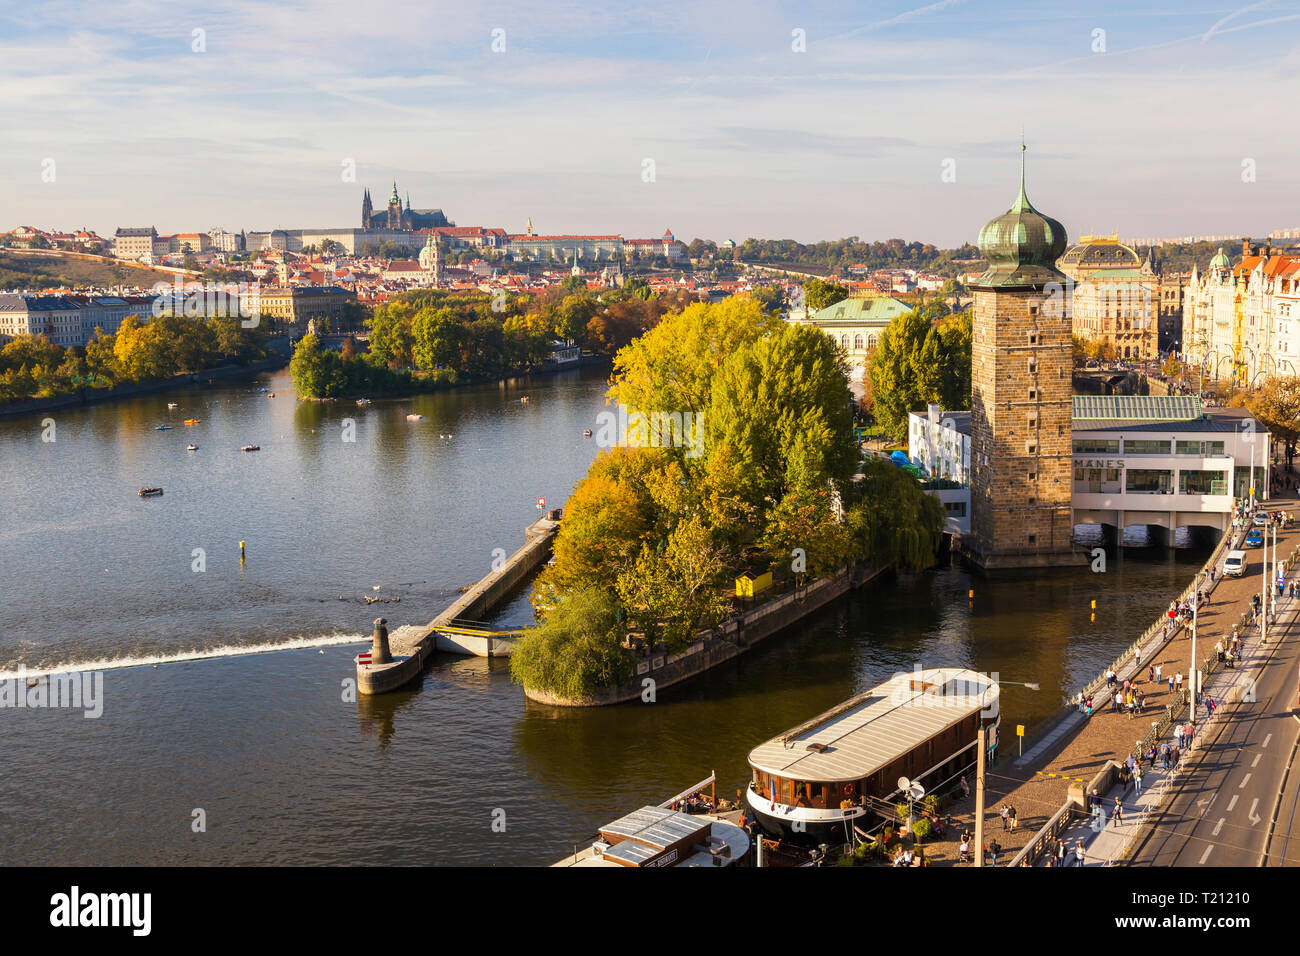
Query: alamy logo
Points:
[81, 691]
[652, 430]
[74, 909]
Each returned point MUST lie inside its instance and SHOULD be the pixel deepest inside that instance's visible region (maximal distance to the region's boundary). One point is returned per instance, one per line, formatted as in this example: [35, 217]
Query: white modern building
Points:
[1138, 460]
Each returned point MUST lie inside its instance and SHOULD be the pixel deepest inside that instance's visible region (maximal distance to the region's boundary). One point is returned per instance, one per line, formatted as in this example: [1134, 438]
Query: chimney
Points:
[1245, 247]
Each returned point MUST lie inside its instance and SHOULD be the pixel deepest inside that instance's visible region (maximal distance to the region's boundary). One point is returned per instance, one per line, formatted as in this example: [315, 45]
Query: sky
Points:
[716, 119]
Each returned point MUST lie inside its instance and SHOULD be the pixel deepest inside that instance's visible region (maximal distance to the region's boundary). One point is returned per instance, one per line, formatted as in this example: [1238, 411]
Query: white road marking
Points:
[1264, 745]
[1244, 781]
[1205, 856]
[1219, 826]
[1254, 817]
[1255, 762]
[1232, 803]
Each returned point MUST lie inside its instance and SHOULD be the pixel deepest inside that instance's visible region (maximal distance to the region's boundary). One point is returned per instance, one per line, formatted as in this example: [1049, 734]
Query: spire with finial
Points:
[393, 198]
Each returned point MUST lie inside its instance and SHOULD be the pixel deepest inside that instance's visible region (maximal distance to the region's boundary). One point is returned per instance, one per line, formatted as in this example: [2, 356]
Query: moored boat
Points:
[363, 401]
[191, 421]
[191, 447]
[814, 782]
[171, 404]
[251, 448]
[150, 492]
[163, 428]
[663, 836]
[415, 418]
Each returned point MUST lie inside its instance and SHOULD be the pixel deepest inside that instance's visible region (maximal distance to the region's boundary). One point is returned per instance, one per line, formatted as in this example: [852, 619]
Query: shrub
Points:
[576, 650]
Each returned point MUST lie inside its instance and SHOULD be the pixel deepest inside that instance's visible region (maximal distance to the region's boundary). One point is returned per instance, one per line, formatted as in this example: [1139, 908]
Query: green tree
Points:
[437, 339]
[819, 293]
[576, 650]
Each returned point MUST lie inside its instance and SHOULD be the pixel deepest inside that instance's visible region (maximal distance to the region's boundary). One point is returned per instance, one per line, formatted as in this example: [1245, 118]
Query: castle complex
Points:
[1021, 385]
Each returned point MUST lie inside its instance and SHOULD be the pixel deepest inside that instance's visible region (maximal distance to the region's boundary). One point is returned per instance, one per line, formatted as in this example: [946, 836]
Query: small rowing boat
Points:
[150, 492]
[415, 418]
[163, 428]
[191, 447]
[191, 421]
[363, 401]
[171, 404]
[251, 448]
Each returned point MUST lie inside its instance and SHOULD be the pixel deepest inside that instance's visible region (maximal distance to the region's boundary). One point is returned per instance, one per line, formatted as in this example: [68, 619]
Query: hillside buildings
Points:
[67, 320]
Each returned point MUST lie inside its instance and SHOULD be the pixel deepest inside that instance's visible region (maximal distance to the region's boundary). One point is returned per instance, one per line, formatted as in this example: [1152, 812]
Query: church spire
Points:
[393, 198]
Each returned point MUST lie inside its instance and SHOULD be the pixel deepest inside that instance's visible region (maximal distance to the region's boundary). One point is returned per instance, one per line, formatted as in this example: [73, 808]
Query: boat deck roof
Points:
[870, 731]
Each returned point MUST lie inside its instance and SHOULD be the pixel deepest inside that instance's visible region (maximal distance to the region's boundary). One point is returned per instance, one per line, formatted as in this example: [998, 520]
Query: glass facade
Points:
[1143, 446]
[1205, 449]
[1096, 446]
[1202, 482]
[1148, 481]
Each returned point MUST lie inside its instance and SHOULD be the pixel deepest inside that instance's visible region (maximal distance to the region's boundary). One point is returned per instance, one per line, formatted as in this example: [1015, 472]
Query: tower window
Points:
[1033, 394]
[1033, 338]
[1033, 365]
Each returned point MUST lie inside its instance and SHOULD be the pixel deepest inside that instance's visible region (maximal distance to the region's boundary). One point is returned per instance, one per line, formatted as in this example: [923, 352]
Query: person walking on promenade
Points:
[1178, 736]
[1060, 852]
[1158, 670]
[1118, 703]
[1171, 683]
[1142, 703]
[1119, 812]
[1003, 813]
[1178, 680]
[1078, 852]
[1137, 782]
[1011, 815]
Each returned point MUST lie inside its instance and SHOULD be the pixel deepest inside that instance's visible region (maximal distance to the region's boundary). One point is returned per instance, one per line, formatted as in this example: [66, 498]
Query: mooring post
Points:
[379, 653]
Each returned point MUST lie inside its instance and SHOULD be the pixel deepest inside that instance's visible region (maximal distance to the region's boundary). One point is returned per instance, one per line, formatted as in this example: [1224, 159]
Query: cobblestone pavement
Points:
[1080, 754]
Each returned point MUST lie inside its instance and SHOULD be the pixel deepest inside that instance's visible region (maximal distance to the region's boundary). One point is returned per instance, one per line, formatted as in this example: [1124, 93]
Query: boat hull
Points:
[803, 825]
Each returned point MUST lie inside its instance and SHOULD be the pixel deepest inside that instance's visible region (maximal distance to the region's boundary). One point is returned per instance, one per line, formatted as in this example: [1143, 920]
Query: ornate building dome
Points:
[1221, 261]
[1101, 252]
[1021, 245]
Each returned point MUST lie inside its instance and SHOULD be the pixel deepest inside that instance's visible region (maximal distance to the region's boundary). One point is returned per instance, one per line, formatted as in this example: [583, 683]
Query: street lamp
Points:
[979, 768]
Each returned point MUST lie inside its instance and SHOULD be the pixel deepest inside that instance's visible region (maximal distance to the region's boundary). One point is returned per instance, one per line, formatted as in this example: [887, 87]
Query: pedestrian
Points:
[1003, 813]
[1151, 674]
[1119, 812]
[1137, 782]
[1060, 852]
[1171, 683]
[1142, 703]
[1011, 813]
[1178, 736]
[965, 787]
[994, 849]
[1158, 669]
[1078, 852]
[1179, 680]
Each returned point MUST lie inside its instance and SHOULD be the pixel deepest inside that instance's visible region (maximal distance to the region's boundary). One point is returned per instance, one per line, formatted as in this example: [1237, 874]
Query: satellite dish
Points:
[903, 783]
[916, 790]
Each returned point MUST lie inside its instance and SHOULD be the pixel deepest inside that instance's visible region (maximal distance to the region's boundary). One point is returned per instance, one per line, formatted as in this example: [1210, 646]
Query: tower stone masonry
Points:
[1021, 387]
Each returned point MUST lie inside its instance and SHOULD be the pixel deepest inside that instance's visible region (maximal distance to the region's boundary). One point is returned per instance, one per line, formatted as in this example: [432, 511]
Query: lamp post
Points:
[979, 770]
[1196, 603]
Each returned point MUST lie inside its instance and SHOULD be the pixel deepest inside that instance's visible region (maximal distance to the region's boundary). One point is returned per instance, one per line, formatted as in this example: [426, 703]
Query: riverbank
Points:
[94, 396]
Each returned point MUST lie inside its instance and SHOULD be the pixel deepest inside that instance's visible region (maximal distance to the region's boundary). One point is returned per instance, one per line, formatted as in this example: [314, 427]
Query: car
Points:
[1260, 520]
[1235, 563]
[1254, 538]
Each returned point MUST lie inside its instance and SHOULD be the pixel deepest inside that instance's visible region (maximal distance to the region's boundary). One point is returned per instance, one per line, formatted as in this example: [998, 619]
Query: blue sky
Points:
[1141, 130]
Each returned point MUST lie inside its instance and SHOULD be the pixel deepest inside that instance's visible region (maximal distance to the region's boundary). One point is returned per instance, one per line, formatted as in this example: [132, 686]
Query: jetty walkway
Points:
[398, 658]
[1075, 752]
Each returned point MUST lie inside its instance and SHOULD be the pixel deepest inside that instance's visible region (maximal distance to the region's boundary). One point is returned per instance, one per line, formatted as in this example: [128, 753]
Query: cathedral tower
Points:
[394, 209]
[367, 211]
[1021, 388]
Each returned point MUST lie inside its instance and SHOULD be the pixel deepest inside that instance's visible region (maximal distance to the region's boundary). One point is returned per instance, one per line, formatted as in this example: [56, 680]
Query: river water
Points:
[223, 696]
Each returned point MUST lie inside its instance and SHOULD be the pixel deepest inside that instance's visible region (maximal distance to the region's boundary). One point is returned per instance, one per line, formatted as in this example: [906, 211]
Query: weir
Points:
[398, 658]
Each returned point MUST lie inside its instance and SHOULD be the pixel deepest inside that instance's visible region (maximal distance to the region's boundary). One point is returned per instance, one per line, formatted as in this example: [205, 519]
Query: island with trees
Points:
[654, 536]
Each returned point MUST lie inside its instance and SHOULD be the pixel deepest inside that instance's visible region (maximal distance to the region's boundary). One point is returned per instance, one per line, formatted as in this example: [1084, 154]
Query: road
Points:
[1221, 813]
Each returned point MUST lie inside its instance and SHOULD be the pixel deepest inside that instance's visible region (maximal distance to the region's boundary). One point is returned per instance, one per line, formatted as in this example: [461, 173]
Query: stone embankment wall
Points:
[730, 639]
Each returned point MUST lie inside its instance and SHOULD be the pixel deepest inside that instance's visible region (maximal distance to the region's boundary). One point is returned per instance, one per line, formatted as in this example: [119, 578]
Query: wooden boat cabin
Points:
[814, 781]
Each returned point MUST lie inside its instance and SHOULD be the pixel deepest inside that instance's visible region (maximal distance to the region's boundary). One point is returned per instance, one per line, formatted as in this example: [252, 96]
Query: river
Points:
[223, 688]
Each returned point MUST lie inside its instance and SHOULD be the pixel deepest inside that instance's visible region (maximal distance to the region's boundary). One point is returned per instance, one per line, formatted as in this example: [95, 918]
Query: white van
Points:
[1235, 563]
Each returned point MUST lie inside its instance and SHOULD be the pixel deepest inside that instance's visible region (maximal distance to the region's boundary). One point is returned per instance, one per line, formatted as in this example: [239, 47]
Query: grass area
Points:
[50, 269]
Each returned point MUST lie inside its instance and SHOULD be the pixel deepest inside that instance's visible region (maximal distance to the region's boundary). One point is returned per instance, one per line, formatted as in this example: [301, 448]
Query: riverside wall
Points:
[722, 643]
[92, 396]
